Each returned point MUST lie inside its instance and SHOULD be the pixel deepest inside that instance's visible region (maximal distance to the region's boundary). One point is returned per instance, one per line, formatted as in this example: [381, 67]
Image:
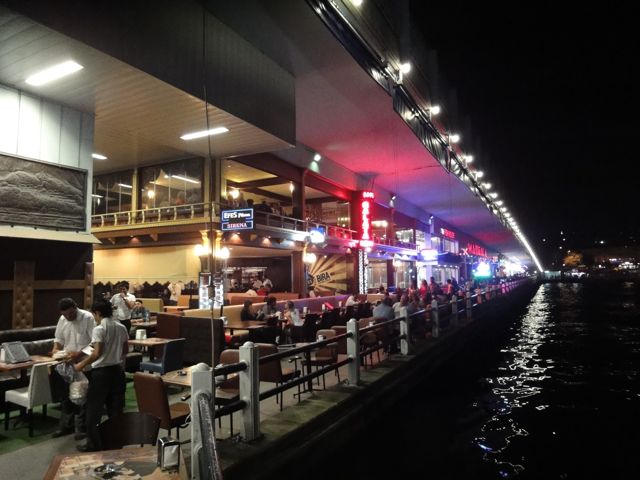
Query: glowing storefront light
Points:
[365, 206]
[483, 270]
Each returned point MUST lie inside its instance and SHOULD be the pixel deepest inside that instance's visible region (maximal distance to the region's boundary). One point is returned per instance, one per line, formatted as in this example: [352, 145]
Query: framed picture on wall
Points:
[40, 194]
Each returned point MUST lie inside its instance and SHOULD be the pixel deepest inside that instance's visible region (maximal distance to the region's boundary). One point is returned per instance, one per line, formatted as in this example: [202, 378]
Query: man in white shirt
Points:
[107, 385]
[73, 333]
[123, 302]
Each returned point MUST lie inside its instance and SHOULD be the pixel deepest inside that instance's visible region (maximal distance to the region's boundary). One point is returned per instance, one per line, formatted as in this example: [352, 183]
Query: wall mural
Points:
[328, 274]
[40, 194]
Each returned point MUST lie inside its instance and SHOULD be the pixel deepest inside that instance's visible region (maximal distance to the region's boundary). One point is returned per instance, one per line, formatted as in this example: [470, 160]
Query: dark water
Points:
[558, 397]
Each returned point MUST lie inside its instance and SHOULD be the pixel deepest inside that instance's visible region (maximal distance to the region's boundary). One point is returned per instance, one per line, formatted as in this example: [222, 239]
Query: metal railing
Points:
[441, 315]
[204, 211]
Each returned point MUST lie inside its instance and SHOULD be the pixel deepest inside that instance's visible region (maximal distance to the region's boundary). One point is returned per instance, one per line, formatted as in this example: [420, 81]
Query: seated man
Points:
[139, 311]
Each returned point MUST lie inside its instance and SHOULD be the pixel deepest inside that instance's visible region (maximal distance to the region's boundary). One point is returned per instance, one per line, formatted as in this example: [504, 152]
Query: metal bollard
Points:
[405, 329]
[454, 311]
[435, 316]
[469, 305]
[250, 391]
[353, 352]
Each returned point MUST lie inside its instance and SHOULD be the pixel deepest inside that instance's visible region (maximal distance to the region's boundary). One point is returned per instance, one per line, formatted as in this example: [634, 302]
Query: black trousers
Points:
[106, 389]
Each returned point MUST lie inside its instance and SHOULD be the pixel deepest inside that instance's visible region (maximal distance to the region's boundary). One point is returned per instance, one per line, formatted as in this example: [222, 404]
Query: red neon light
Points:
[474, 249]
[447, 233]
[365, 208]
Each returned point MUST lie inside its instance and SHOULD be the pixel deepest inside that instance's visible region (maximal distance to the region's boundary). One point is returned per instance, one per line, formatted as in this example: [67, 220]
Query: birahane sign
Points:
[241, 219]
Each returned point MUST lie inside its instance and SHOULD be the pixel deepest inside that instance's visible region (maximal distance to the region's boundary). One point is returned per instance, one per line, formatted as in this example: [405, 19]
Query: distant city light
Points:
[601, 242]
[405, 67]
[434, 110]
[454, 138]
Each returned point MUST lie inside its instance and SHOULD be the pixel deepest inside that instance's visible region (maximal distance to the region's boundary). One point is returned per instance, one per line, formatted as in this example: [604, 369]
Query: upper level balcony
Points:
[201, 213]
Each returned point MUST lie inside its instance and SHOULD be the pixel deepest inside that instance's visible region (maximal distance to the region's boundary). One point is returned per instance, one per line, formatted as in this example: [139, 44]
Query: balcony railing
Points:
[201, 211]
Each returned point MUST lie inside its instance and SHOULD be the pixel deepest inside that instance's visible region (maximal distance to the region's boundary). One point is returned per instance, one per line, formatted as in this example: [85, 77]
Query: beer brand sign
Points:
[237, 219]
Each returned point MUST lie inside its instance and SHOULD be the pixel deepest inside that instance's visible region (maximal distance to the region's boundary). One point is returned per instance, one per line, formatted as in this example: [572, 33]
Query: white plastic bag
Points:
[78, 388]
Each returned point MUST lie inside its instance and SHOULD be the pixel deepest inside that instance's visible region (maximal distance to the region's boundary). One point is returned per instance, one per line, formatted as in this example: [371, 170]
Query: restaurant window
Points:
[377, 274]
[172, 184]
[112, 193]
[422, 240]
[443, 245]
[405, 235]
[331, 213]
[402, 273]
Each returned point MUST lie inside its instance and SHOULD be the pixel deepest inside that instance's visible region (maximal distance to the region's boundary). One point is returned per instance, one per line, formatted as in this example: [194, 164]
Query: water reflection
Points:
[521, 374]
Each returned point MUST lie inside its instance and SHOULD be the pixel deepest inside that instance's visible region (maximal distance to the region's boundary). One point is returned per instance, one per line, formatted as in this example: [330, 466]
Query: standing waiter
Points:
[107, 385]
[73, 333]
[123, 302]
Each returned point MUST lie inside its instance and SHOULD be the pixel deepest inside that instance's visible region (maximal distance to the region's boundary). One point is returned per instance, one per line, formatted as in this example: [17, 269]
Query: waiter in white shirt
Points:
[73, 333]
[123, 302]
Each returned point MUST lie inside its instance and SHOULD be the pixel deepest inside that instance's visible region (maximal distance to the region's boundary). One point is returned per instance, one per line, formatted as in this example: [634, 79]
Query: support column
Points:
[298, 274]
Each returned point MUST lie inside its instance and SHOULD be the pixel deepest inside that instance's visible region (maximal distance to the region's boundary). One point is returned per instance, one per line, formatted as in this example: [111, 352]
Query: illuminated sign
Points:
[482, 270]
[429, 254]
[474, 249]
[237, 219]
[365, 208]
[447, 233]
[324, 277]
[316, 235]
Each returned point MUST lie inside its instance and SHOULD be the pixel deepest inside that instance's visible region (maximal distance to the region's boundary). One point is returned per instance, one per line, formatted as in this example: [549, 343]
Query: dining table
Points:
[23, 367]
[126, 463]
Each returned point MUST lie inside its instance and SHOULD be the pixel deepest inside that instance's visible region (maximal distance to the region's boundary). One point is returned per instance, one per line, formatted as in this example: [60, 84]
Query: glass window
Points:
[403, 274]
[172, 184]
[421, 240]
[377, 274]
[112, 193]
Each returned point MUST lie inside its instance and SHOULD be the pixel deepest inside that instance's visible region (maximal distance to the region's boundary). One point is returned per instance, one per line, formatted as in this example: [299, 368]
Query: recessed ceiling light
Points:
[53, 73]
[97, 156]
[317, 157]
[204, 133]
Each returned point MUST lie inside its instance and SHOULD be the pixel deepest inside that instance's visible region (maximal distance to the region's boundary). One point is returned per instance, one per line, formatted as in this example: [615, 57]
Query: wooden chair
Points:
[130, 428]
[327, 355]
[151, 395]
[228, 390]
[272, 371]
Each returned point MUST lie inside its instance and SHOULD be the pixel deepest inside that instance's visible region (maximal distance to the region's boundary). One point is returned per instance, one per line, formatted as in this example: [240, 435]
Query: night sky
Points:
[549, 95]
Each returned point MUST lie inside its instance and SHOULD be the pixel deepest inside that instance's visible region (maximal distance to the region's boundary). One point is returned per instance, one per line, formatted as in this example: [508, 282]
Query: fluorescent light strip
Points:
[97, 156]
[180, 177]
[96, 196]
[124, 185]
[204, 133]
[54, 73]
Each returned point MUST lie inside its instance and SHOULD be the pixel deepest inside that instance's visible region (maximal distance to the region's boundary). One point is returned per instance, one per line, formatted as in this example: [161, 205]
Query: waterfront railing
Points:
[404, 332]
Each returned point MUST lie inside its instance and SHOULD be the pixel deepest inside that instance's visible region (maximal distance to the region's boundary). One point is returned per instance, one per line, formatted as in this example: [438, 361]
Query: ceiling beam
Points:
[264, 182]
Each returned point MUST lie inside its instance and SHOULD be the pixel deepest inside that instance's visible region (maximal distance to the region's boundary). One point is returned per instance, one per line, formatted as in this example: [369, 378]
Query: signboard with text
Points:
[241, 219]
[366, 205]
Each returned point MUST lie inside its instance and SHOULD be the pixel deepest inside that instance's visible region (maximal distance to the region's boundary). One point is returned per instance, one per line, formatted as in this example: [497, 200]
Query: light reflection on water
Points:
[524, 370]
[569, 374]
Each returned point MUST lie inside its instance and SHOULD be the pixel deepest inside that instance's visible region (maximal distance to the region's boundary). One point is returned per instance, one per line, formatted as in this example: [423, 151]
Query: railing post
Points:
[479, 294]
[250, 391]
[405, 329]
[201, 381]
[435, 316]
[353, 352]
[469, 306]
[454, 311]
[488, 293]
